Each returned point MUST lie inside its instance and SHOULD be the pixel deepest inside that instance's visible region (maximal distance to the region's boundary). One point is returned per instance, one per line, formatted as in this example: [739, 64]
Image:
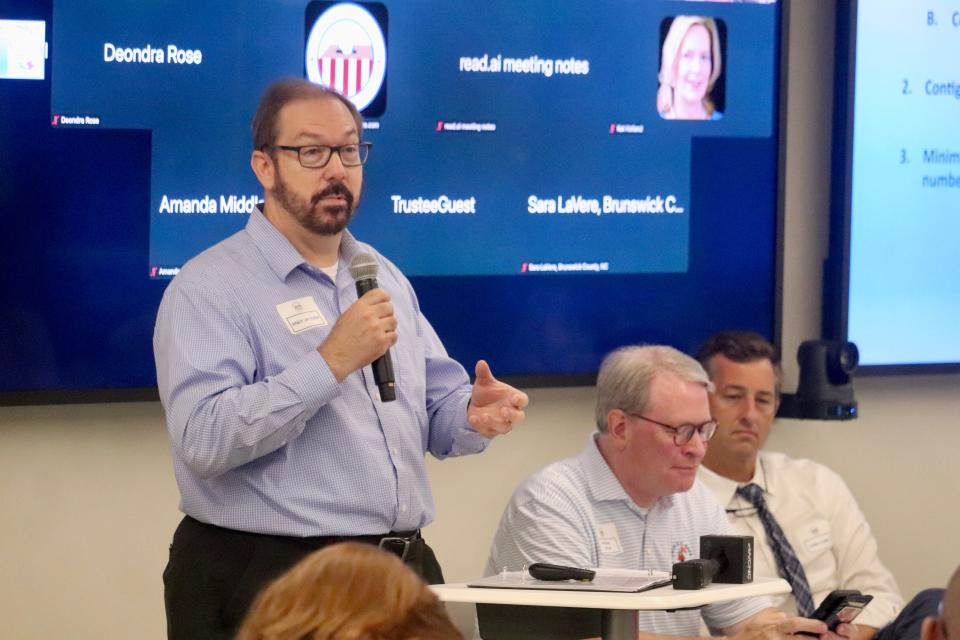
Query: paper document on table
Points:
[617, 580]
[630, 573]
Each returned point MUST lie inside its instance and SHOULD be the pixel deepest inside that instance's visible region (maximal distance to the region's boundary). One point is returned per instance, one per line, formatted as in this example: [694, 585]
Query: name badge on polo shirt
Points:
[608, 538]
[301, 314]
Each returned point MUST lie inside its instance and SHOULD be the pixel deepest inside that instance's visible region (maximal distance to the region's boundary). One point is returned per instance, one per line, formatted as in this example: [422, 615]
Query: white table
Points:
[620, 613]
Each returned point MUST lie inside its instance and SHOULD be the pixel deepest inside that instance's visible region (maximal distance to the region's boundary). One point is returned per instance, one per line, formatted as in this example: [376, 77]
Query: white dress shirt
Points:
[823, 523]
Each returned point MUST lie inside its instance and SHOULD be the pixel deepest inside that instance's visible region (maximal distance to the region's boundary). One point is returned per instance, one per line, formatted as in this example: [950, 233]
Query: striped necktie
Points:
[790, 566]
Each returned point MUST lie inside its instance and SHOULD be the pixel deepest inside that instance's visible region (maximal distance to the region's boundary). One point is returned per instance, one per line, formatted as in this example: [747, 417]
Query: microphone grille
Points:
[363, 267]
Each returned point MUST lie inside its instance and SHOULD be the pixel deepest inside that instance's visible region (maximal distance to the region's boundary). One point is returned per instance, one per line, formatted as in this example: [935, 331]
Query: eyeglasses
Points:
[683, 433]
[316, 156]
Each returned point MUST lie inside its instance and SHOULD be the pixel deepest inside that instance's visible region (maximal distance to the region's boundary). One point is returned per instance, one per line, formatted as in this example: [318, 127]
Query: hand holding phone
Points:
[842, 605]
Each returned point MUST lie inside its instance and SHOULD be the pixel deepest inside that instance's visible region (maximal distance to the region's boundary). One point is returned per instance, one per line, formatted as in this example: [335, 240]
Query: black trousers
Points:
[214, 574]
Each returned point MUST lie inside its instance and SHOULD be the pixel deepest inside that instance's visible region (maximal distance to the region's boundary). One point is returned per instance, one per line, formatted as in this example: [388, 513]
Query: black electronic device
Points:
[694, 574]
[723, 559]
[842, 605]
[363, 269]
[553, 572]
[825, 391]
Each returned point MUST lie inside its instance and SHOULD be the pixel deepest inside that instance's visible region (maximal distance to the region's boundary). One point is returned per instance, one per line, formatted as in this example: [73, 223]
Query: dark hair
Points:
[280, 94]
[742, 347]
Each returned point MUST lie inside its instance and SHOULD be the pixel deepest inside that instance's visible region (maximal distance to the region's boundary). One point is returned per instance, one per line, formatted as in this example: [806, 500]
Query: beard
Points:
[326, 220]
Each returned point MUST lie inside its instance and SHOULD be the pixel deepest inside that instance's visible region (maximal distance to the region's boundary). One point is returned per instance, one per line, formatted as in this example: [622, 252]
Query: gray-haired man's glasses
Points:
[684, 433]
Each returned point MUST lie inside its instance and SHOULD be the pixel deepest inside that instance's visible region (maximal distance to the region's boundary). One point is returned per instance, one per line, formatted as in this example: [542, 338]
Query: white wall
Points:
[87, 507]
[88, 501]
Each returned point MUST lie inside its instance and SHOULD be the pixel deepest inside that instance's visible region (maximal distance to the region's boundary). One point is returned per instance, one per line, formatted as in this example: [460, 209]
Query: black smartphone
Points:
[842, 605]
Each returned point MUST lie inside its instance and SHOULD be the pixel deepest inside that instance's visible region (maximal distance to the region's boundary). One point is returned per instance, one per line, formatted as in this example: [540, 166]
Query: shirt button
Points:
[403, 508]
[395, 452]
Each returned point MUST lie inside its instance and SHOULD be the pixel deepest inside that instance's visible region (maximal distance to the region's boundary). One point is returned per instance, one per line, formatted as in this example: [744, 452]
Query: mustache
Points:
[333, 189]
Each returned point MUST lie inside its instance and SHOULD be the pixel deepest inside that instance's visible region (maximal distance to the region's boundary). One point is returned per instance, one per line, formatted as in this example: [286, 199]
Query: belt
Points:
[397, 542]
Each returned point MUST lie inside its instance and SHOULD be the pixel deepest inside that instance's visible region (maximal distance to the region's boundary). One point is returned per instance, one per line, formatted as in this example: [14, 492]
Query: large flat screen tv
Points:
[891, 283]
[557, 178]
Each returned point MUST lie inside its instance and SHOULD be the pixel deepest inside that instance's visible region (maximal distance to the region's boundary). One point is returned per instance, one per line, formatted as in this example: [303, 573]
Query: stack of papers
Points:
[617, 580]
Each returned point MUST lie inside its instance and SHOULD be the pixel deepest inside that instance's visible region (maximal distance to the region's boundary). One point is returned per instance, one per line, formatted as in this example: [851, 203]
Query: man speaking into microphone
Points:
[283, 439]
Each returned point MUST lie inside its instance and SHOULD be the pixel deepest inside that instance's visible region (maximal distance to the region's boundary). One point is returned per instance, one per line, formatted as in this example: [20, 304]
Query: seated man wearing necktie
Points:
[805, 521]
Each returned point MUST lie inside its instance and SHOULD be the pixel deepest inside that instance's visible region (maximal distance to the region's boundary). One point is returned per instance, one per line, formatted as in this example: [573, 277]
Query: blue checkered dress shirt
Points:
[263, 437]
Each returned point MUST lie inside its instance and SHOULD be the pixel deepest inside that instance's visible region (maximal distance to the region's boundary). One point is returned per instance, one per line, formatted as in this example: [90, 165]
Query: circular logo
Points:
[346, 51]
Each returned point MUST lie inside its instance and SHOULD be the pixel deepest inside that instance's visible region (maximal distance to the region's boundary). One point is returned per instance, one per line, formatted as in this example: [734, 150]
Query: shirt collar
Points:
[349, 247]
[760, 477]
[725, 489]
[280, 255]
[276, 250]
[603, 485]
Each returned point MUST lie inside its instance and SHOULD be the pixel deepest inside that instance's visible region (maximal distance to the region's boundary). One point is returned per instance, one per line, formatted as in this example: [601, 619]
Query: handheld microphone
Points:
[363, 269]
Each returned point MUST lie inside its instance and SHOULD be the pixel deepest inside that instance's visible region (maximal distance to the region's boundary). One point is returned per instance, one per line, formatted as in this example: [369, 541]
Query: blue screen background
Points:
[81, 202]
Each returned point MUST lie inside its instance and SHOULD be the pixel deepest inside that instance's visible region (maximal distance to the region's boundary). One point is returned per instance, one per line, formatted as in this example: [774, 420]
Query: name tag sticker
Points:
[816, 538]
[301, 315]
[608, 538]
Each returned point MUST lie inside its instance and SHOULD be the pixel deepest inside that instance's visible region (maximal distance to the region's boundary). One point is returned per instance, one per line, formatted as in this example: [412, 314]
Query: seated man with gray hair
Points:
[630, 499]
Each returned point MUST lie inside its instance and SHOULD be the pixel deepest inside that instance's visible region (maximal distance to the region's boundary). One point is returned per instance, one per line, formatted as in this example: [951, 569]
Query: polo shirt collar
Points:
[603, 485]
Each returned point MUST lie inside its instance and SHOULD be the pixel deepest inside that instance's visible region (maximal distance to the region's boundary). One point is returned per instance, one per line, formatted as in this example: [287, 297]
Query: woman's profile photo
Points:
[690, 66]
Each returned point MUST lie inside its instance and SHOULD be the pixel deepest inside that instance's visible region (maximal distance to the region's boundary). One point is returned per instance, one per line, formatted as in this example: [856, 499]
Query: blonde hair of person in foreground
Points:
[348, 591]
